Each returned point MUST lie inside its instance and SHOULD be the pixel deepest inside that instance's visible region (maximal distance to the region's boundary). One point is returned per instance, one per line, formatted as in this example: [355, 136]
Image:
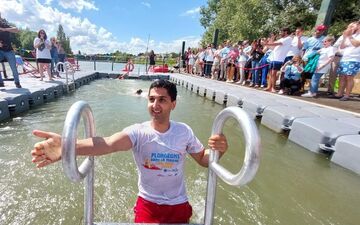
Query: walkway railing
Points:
[86, 170]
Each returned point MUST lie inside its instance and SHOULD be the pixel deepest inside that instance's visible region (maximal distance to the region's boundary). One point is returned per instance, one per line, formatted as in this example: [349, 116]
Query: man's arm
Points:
[216, 142]
[49, 150]
[273, 44]
[10, 29]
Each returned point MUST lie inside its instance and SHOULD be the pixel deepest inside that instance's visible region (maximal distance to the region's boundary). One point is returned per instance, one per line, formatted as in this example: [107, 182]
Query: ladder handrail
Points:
[68, 154]
[66, 69]
[251, 159]
[86, 170]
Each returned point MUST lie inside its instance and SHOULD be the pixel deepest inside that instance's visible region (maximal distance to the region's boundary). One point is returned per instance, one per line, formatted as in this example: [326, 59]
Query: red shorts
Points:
[149, 212]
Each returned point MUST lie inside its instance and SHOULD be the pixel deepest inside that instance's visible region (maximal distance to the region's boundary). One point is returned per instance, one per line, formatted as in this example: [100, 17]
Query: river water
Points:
[292, 186]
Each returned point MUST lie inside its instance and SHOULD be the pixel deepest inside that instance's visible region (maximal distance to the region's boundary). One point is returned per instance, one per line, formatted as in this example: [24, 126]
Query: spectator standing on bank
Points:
[279, 53]
[43, 56]
[349, 64]
[152, 58]
[336, 61]
[54, 55]
[191, 62]
[224, 61]
[216, 64]
[327, 54]
[314, 43]
[6, 50]
[209, 59]
[61, 54]
[297, 44]
[256, 55]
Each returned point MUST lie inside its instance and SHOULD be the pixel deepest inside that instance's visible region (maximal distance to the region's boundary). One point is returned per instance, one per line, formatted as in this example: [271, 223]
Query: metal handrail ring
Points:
[252, 148]
[69, 138]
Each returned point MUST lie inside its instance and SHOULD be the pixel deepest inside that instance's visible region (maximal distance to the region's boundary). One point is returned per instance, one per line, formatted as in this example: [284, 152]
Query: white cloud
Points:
[191, 12]
[48, 2]
[147, 4]
[84, 35]
[77, 5]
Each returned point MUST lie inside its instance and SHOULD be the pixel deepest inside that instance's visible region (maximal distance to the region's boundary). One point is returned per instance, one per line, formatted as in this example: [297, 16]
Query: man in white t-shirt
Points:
[159, 148]
[297, 43]
[280, 51]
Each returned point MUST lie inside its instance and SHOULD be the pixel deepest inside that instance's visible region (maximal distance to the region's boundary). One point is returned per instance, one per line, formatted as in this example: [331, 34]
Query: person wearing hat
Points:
[310, 48]
[314, 43]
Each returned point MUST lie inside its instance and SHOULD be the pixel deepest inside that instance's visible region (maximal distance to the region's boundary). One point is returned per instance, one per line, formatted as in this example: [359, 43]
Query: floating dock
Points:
[318, 128]
[315, 127]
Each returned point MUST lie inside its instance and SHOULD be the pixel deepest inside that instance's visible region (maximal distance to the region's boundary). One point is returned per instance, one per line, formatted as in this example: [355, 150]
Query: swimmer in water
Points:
[138, 92]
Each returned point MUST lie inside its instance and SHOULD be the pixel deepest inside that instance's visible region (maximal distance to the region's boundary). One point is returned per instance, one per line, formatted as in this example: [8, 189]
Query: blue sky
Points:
[109, 25]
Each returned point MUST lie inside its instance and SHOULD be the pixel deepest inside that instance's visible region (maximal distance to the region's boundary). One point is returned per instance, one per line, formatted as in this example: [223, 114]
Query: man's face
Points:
[298, 32]
[160, 104]
[318, 33]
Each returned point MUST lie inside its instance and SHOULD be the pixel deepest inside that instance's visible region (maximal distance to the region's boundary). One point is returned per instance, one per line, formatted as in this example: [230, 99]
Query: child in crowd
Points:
[326, 56]
[292, 70]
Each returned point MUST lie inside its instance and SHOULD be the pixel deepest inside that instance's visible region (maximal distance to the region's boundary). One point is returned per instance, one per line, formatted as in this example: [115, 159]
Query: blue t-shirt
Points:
[292, 72]
[312, 45]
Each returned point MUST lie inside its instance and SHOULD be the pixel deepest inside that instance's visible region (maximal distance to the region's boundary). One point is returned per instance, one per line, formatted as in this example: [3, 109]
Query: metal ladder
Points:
[81, 109]
[68, 70]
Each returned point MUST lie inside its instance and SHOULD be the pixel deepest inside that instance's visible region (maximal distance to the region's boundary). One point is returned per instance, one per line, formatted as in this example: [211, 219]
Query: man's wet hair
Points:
[169, 86]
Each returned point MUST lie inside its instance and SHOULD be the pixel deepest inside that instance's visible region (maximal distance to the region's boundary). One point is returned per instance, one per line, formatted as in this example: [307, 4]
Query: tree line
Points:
[252, 19]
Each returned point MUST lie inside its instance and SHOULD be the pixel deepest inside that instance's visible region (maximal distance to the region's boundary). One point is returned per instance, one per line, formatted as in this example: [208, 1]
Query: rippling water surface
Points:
[293, 185]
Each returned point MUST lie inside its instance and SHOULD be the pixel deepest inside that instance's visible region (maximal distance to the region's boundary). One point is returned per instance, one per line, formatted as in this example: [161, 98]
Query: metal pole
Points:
[215, 38]
[146, 56]
[326, 12]
[182, 56]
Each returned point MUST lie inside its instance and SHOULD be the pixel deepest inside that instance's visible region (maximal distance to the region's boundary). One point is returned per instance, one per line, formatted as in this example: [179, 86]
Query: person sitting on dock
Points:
[159, 147]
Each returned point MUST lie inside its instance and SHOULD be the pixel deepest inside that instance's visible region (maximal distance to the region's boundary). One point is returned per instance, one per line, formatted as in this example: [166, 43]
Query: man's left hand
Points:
[218, 142]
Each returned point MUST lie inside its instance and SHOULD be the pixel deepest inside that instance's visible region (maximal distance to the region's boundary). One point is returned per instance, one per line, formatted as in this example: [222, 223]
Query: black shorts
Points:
[43, 60]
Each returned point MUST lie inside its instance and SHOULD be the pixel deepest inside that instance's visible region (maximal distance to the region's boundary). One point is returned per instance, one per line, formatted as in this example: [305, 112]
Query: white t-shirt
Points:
[42, 52]
[294, 49]
[160, 159]
[280, 51]
[325, 54]
[351, 53]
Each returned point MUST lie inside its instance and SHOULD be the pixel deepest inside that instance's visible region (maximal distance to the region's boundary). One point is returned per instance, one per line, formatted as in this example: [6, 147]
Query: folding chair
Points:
[74, 65]
[27, 67]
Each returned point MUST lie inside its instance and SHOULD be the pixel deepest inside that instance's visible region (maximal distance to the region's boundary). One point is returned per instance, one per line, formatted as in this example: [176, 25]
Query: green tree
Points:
[65, 41]
[251, 19]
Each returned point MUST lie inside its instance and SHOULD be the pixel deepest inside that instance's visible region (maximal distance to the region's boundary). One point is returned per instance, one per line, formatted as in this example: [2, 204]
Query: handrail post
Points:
[68, 148]
[251, 159]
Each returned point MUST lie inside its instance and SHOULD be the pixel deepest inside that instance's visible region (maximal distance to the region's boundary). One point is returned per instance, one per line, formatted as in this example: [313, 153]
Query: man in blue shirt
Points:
[6, 50]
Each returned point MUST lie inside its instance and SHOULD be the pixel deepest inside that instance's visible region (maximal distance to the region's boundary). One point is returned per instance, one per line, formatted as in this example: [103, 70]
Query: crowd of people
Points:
[48, 52]
[289, 57]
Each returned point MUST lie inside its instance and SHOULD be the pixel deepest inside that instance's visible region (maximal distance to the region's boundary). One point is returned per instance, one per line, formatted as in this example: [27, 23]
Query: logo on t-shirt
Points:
[162, 161]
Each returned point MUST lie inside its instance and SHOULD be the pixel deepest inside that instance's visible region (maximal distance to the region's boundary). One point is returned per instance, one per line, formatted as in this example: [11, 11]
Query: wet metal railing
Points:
[251, 159]
[82, 110]
[67, 68]
[68, 148]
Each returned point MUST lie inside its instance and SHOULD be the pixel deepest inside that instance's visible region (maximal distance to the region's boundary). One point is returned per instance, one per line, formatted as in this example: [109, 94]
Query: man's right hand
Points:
[47, 151]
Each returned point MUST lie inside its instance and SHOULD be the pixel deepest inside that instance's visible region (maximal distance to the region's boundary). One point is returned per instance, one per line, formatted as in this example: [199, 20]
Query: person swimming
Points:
[139, 91]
